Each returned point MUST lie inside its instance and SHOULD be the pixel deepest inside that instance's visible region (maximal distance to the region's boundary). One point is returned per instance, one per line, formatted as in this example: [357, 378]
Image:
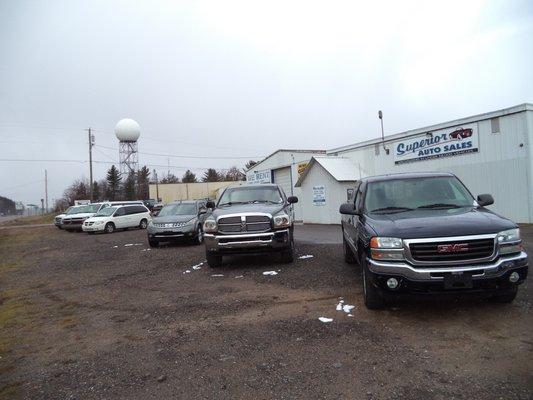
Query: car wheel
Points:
[199, 235]
[349, 255]
[143, 224]
[109, 227]
[214, 260]
[287, 255]
[153, 243]
[373, 300]
[506, 296]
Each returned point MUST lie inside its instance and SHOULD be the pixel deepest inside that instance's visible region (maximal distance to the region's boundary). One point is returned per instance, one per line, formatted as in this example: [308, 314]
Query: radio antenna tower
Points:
[128, 132]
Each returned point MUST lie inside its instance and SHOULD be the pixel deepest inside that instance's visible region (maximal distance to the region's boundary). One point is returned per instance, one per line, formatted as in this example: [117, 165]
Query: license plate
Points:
[458, 280]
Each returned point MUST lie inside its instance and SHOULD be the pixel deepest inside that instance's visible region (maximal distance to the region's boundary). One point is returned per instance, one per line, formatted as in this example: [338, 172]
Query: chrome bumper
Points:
[245, 241]
[489, 270]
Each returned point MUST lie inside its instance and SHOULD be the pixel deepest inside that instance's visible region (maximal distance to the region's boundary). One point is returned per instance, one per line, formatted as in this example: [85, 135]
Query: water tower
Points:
[128, 132]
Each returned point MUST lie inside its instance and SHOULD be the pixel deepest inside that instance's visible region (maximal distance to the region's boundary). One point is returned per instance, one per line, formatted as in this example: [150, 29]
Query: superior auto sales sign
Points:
[442, 143]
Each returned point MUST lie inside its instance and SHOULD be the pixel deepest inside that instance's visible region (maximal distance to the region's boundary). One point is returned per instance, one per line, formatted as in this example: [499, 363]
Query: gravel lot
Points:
[105, 317]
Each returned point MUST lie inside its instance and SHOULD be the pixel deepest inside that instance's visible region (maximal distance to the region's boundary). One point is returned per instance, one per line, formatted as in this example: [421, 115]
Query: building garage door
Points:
[282, 177]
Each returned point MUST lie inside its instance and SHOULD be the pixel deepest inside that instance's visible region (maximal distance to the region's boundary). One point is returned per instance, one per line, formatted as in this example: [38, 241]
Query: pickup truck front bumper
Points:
[484, 276]
[248, 242]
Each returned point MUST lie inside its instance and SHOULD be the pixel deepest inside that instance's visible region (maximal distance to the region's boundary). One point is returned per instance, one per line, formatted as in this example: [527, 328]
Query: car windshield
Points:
[106, 212]
[178, 209]
[91, 208]
[251, 194]
[75, 210]
[416, 193]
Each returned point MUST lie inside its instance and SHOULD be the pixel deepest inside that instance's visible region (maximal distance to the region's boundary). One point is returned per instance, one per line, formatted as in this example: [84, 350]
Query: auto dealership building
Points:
[491, 153]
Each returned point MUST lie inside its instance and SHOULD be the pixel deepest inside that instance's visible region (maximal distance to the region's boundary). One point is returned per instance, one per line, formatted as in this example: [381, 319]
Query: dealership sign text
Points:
[437, 144]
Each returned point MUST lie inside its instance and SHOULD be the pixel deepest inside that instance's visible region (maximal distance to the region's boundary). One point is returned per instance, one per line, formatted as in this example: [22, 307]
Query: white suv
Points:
[109, 219]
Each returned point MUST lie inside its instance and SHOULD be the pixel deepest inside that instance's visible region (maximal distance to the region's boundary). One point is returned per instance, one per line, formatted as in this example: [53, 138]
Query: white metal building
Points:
[283, 167]
[491, 153]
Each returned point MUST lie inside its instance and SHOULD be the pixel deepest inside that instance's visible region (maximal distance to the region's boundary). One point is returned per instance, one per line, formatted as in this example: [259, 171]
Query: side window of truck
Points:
[358, 197]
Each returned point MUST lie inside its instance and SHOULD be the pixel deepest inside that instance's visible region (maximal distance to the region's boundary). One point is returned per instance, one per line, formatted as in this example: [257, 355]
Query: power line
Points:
[182, 156]
[21, 185]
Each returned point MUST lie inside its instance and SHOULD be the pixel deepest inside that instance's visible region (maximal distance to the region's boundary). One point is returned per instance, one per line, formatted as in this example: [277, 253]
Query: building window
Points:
[495, 125]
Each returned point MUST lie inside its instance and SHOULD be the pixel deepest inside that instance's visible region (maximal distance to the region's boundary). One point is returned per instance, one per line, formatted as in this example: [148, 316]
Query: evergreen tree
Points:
[143, 186]
[211, 175]
[96, 191]
[189, 177]
[129, 187]
[113, 183]
[170, 178]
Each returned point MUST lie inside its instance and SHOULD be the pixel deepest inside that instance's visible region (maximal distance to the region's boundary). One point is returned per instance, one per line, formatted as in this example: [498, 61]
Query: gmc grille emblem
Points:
[452, 248]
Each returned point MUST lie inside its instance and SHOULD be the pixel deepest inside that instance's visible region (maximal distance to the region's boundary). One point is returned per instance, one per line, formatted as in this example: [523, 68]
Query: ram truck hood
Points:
[265, 208]
[80, 215]
[427, 223]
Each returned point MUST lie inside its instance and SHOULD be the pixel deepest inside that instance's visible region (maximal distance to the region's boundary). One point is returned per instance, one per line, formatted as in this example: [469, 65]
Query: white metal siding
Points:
[282, 177]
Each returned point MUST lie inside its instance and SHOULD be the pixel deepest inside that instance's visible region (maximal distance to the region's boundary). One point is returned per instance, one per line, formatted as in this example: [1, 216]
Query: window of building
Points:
[495, 125]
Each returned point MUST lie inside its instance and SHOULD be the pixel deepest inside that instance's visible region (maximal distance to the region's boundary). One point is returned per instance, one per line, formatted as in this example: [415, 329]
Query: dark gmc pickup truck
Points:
[424, 233]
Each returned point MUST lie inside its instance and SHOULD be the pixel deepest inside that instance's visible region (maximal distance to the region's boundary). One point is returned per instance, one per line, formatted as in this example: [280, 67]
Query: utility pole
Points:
[46, 189]
[380, 116]
[91, 143]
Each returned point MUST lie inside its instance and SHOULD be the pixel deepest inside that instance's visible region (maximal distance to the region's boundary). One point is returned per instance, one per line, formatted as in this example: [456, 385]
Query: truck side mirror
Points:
[348, 209]
[210, 204]
[292, 199]
[485, 200]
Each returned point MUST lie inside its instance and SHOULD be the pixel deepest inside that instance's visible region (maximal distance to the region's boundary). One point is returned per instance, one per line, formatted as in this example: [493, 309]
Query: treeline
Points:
[7, 206]
[135, 186]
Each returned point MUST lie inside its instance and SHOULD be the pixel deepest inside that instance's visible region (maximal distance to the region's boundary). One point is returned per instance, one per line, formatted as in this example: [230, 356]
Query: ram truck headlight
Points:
[210, 225]
[509, 241]
[282, 221]
[386, 248]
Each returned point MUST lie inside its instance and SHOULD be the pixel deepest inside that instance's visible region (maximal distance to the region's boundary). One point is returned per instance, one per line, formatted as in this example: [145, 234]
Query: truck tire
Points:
[506, 297]
[153, 243]
[199, 236]
[214, 260]
[372, 297]
[287, 255]
[349, 255]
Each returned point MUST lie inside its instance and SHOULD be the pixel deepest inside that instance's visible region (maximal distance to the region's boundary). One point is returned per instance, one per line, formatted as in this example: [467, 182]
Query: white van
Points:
[114, 217]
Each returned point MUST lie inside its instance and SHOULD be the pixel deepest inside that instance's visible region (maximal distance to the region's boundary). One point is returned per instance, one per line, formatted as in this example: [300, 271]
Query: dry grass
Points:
[33, 220]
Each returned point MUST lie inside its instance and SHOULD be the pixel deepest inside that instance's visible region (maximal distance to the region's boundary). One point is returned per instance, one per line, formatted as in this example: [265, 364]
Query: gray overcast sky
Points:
[242, 78]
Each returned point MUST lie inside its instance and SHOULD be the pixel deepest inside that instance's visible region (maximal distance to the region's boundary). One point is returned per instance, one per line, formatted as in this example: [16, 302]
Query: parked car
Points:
[150, 203]
[58, 218]
[424, 233]
[73, 220]
[156, 208]
[249, 218]
[178, 221]
[111, 218]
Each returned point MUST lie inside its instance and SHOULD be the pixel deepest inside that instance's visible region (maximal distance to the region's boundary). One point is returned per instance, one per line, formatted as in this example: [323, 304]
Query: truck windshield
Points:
[255, 194]
[416, 193]
[178, 209]
[74, 210]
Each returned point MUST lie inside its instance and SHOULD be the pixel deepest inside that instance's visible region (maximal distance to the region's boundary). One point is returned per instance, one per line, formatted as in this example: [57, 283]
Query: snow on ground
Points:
[217, 275]
[305, 256]
[270, 273]
[325, 320]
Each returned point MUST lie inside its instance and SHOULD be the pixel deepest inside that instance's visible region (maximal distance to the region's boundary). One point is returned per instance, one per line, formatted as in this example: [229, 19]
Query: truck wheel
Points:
[373, 300]
[287, 255]
[153, 243]
[214, 260]
[506, 296]
[109, 227]
[349, 255]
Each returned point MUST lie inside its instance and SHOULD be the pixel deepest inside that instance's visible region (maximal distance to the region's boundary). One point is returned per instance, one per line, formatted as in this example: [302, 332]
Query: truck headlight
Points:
[210, 225]
[282, 221]
[509, 241]
[386, 248]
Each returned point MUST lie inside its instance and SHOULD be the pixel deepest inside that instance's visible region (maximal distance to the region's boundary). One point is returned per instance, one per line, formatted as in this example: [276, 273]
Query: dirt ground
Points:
[104, 317]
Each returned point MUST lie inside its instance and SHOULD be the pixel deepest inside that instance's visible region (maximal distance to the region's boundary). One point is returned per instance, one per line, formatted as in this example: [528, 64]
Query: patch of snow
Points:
[270, 273]
[239, 276]
[305, 256]
[138, 244]
[128, 245]
[146, 249]
[325, 320]
[347, 308]
[188, 271]
[115, 247]
[339, 306]
[217, 275]
[197, 266]
[350, 315]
